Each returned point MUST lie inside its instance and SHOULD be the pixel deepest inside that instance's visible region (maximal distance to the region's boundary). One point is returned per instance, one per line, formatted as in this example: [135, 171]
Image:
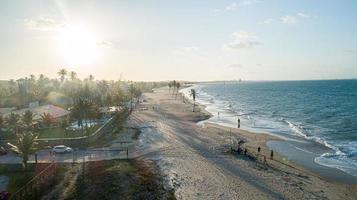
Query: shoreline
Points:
[286, 150]
[198, 161]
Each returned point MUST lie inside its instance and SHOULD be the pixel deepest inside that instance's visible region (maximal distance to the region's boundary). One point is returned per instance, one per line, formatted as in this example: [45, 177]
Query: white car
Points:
[61, 149]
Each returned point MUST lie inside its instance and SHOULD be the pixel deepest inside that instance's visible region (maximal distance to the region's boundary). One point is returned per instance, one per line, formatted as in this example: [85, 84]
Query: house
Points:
[55, 111]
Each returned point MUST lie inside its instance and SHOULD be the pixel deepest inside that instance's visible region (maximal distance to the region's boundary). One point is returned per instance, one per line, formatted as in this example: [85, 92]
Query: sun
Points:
[77, 46]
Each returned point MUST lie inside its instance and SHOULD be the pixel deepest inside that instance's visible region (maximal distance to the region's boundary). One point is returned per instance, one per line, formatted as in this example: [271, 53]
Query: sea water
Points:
[322, 111]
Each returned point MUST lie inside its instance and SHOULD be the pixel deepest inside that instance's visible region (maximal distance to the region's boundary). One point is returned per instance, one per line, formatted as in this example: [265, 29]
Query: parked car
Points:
[61, 149]
[3, 151]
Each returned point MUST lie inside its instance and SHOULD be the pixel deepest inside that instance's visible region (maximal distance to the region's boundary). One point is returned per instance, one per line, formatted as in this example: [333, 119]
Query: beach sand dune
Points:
[197, 163]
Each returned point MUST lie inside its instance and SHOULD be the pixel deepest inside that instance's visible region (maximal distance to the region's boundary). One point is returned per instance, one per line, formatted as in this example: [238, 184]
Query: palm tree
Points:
[120, 98]
[93, 112]
[41, 77]
[2, 121]
[193, 95]
[41, 82]
[80, 111]
[32, 78]
[27, 118]
[170, 85]
[12, 121]
[62, 73]
[91, 77]
[178, 85]
[64, 123]
[132, 93]
[73, 75]
[173, 85]
[25, 145]
[47, 119]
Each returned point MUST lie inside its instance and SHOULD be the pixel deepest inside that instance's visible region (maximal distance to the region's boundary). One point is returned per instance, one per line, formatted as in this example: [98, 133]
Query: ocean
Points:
[321, 111]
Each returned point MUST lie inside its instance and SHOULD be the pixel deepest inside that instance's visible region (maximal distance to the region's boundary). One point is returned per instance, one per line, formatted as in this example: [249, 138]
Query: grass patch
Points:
[62, 133]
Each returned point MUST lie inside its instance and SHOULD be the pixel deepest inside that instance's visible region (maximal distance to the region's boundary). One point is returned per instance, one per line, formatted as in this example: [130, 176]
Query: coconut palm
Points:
[178, 85]
[47, 119]
[174, 86]
[2, 122]
[64, 123]
[12, 121]
[27, 118]
[170, 85]
[132, 93]
[93, 112]
[73, 75]
[62, 73]
[25, 145]
[32, 78]
[193, 94]
[41, 77]
[80, 111]
[120, 98]
[91, 77]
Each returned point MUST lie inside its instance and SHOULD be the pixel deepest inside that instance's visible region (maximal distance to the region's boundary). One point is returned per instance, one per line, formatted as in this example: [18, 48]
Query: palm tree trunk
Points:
[24, 161]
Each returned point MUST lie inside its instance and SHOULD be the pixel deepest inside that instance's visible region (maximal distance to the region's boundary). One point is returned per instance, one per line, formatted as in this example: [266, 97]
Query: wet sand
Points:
[197, 163]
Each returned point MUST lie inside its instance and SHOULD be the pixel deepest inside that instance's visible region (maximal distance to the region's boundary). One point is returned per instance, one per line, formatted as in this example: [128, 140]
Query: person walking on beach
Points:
[259, 149]
[238, 123]
[271, 154]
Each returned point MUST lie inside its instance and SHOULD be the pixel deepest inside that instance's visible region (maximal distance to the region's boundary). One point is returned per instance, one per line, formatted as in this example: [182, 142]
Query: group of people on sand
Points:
[245, 152]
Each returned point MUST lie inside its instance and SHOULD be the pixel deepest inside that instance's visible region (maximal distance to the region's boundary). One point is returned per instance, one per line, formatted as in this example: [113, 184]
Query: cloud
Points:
[235, 66]
[243, 39]
[294, 19]
[268, 21]
[289, 19]
[43, 24]
[303, 15]
[235, 5]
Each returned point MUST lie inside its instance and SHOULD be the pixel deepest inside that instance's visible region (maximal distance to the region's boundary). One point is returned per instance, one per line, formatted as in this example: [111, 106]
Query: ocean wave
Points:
[344, 159]
[342, 162]
[296, 128]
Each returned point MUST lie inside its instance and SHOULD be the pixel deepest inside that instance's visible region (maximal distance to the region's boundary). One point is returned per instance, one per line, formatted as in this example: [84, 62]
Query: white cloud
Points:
[294, 19]
[289, 19]
[303, 15]
[237, 4]
[268, 21]
[43, 24]
[243, 39]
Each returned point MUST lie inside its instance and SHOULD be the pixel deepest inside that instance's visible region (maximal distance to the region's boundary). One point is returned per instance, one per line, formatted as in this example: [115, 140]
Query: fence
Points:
[77, 141]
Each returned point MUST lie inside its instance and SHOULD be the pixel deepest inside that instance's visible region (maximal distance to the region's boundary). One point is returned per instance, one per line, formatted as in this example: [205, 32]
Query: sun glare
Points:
[77, 46]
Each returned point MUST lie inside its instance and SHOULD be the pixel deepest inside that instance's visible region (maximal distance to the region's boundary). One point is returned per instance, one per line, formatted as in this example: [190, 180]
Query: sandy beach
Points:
[198, 164]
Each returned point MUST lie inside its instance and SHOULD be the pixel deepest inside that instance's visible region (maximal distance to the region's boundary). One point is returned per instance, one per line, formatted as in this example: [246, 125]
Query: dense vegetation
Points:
[83, 98]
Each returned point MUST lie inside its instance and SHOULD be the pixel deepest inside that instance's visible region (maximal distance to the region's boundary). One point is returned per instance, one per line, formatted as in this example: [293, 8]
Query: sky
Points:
[184, 40]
